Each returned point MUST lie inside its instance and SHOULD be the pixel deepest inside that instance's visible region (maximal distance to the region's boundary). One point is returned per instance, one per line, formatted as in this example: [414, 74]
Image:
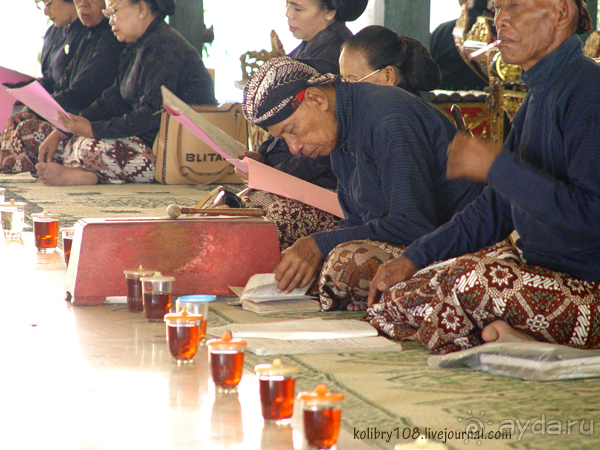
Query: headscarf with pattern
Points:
[276, 90]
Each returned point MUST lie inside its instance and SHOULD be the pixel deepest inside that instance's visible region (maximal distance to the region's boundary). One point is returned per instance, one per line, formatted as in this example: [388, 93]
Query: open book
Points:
[309, 336]
[260, 296]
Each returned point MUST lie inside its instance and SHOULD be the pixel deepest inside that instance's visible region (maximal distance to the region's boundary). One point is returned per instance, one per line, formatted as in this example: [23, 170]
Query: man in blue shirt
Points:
[544, 183]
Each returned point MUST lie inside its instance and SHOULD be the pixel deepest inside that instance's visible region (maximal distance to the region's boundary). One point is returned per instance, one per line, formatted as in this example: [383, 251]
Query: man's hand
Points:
[47, 148]
[77, 125]
[17, 118]
[299, 265]
[253, 155]
[469, 157]
[389, 274]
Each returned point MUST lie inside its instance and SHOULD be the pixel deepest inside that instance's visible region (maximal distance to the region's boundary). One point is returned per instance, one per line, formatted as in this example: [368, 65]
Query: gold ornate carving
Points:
[252, 61]
[592, 45]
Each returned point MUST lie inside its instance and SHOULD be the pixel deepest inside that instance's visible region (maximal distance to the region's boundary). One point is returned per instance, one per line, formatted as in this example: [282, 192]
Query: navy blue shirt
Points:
[546, 182]
[391, 167]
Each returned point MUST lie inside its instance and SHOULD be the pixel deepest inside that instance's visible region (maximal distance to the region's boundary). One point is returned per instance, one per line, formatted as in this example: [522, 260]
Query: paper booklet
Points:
[9, 76]
[260, 176]
[39, 100]
[309, 336]
[260, 296]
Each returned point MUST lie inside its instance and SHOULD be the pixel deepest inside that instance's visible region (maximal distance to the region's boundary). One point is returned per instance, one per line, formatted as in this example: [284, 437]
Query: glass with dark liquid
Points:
[12, 216]
[45, 230]
[183, 330]
[135, 299]
[156, 292]
[277, 390]
[196, 304]
[67, 237]
[321, 416]
[226, 357]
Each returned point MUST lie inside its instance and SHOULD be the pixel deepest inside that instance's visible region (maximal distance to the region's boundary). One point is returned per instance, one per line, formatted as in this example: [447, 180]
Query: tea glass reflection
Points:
[277, 390]
[67, 237]
[183, 330]
[45, 230]
[226, 356]
[196, 304]
[135, 299]
[156, 291]
[12, 214]
[321, 416]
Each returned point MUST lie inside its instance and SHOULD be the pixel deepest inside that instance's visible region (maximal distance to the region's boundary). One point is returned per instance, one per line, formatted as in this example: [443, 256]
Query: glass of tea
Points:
[12, 214]
[135, 299]
[196, 304]
[45, 230]
[321, 416]
[277, 391]
[226, 356]
[67, 237]
[183, 330]
[156, 294]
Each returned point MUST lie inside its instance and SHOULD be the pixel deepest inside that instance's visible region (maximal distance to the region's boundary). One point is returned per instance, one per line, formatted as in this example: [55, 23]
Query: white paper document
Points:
[347, 345]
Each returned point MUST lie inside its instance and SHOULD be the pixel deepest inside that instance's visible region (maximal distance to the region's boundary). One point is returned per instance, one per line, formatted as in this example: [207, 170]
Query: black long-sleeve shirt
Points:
[160, 57]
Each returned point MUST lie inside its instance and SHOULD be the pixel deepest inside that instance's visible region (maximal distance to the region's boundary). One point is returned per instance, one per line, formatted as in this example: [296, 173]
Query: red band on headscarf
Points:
[298, 99]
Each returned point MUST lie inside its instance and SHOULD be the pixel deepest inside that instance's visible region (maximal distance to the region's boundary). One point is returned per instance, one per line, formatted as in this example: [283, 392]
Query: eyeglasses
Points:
[46, 4]
[363, 78]
[110, 12]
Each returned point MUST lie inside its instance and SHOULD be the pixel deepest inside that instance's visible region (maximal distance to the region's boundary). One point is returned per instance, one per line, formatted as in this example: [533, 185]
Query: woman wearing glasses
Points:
[111, 141]
[93, 69]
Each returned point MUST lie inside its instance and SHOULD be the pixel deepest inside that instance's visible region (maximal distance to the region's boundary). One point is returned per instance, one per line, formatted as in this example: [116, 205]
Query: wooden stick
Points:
[175, 211]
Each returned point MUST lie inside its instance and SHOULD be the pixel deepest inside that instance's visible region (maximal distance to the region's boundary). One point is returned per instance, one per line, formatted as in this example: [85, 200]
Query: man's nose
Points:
[294, 145]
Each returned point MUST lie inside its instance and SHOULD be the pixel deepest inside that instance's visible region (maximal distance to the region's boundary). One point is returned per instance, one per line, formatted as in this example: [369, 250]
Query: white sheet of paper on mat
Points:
[300, 346]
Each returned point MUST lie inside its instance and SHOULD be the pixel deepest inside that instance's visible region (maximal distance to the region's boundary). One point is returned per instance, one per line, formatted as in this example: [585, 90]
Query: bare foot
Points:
[356, 306]
[54, 174]
[500, 328]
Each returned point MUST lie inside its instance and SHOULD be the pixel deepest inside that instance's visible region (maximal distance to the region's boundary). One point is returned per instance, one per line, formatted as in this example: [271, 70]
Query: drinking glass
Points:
[182, 335]
[226, 357]
[277, 390]
[135, 299]
[156, 291]
[321, 416]
[196, 304]
[45, 230]
[12, 214]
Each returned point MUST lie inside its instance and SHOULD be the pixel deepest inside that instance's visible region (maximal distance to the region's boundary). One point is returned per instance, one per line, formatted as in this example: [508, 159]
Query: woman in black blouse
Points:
[111, 141]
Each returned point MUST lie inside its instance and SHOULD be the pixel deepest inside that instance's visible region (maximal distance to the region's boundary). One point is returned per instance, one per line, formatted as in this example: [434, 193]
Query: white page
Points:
[300, 329]
[283, 347]
[263, 287]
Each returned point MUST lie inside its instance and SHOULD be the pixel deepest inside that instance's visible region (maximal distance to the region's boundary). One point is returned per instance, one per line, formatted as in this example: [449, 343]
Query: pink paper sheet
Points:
[6, 100]
[263, 177]
[39, 100]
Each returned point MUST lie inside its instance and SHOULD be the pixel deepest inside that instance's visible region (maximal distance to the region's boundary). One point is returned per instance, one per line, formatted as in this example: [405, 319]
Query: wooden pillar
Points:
[189, 21]
[409, 18]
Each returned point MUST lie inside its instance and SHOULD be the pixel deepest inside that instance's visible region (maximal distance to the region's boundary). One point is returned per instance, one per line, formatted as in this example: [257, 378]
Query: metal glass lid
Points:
[158, 277]
[139, 271]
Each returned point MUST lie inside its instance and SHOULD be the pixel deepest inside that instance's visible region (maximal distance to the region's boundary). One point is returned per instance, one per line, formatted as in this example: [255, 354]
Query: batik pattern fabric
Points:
[19, 148]
[114, 161]
[446, 305]
[293, 219]
[348, 270]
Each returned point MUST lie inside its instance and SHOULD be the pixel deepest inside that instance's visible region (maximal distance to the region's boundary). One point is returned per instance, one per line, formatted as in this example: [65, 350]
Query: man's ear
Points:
[567, 14]
[316, 97]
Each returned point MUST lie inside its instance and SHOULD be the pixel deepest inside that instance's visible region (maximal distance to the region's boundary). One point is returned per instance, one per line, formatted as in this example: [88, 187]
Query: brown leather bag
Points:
[183, 158]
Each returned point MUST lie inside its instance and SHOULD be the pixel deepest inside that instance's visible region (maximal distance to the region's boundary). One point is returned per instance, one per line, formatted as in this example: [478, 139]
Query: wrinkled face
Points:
[526, 30]
[306, 18]
[354, 67]
[124, 20]
[309, 131]
[90, 11]
[59, 12]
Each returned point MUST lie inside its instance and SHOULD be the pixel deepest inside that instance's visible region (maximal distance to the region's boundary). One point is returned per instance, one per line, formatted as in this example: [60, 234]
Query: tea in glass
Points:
[45, 230]
[135, 299]
[196, 304]
[277, 390]
[321, 416]
[67, 238]
[156, 291]
[182, 335]
[12, 214]
[226, 357]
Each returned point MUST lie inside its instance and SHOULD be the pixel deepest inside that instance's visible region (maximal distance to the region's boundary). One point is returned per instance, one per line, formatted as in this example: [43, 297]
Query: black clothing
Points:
[160, 57]
[325, 45]
[456, 74]
[58, 51]
[92, 70]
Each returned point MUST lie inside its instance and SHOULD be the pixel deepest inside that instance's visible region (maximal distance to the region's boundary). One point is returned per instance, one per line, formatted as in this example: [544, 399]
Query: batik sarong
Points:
[19, 148]
[446, 305]
[348, 271]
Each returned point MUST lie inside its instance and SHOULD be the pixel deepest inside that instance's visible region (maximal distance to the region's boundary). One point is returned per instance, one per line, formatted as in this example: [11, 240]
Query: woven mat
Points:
[385, 392]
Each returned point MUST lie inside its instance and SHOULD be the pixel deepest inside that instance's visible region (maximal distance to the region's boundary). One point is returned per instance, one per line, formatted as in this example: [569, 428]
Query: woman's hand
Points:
[299, 265]
[77, 125]
[389, 274]
[50, 145]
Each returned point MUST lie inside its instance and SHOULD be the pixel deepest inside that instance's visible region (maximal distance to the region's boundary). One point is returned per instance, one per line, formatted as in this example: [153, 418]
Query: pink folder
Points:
[6, 100]
[39, 100]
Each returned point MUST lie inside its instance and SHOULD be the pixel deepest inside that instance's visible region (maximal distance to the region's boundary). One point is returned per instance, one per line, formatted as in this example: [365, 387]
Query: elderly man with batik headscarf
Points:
[544, 183]
[388, 151]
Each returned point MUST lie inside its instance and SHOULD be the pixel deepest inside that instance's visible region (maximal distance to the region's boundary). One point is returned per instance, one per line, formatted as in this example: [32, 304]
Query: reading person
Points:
[543, 183]
[388, 151]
